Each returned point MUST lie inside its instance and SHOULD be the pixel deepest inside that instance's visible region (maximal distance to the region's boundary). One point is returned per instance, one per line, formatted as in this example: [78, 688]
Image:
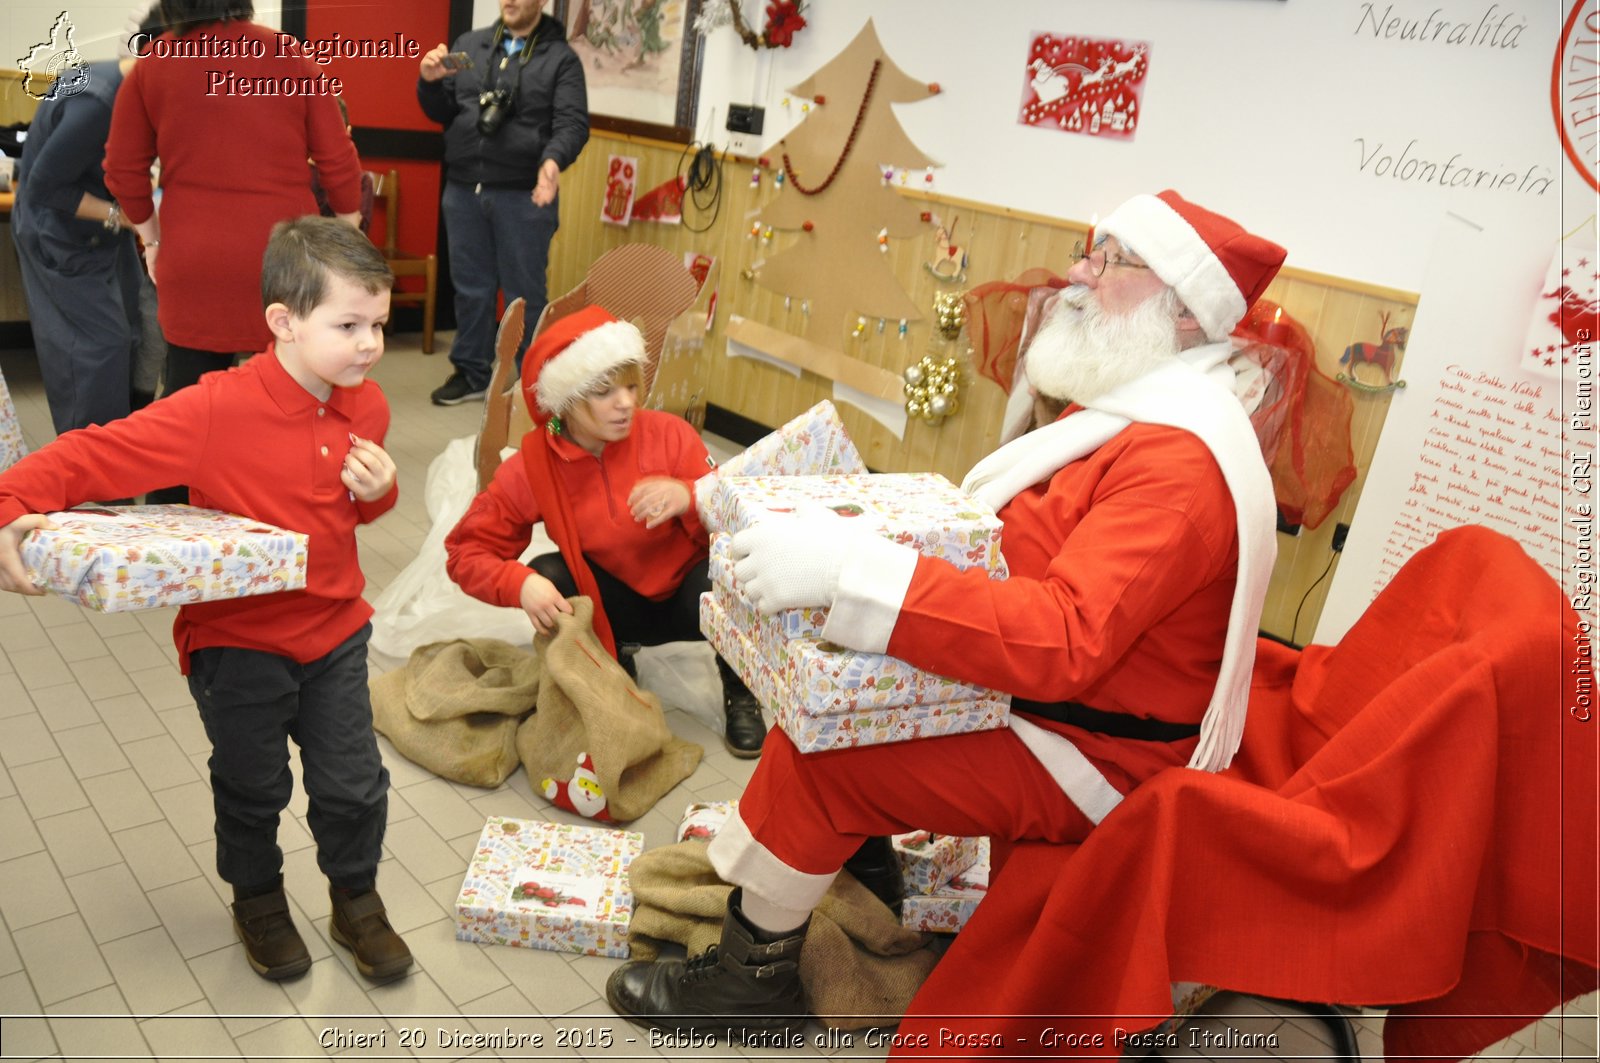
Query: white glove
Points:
[793, 562]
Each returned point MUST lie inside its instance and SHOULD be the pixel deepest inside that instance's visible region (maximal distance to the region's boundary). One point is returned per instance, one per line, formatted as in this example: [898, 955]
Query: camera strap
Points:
[497, 52]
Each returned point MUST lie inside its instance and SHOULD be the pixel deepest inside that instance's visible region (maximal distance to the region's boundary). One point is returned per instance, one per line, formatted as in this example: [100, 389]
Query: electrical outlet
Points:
[743, 118]
[1341, 532]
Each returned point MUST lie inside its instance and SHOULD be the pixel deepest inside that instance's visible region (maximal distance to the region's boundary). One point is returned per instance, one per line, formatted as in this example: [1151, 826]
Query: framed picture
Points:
[641, 62]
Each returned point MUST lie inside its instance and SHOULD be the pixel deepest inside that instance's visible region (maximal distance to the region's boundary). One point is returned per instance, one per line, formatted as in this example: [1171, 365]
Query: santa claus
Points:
[1139, 535]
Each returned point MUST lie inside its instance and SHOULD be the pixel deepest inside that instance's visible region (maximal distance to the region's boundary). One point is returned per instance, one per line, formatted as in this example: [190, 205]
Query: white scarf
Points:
[1194, 393]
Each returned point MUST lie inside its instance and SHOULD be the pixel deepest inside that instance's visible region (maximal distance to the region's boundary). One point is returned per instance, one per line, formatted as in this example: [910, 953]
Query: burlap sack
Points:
[859, 966]
[587, 704]
[455, 706]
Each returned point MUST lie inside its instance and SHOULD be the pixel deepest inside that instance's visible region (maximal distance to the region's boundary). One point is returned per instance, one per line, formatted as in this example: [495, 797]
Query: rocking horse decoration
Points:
[949, 261]
[1382, 355]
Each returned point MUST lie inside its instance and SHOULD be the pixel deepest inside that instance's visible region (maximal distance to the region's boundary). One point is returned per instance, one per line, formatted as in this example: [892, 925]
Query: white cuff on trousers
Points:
[740, 859]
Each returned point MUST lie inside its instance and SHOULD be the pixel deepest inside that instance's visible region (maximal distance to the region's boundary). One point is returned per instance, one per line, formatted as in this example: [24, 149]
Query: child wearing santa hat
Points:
[614, 486]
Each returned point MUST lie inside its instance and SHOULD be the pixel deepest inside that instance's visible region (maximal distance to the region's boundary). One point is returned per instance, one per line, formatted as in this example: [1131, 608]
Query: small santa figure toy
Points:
[581, 793]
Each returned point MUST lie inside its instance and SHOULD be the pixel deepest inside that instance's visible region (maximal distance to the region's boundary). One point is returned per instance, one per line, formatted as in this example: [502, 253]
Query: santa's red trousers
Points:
[812, 810]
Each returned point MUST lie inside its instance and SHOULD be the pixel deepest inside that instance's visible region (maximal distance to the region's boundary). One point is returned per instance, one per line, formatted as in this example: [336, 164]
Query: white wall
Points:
[1258, 108]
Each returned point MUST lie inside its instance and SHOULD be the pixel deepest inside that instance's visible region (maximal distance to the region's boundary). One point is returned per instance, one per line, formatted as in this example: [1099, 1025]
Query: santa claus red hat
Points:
[1216, 267]
[574, 352]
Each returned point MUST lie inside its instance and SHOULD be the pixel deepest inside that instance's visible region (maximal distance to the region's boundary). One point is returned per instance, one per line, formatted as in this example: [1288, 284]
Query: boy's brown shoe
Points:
[361, 925]
[271, 943]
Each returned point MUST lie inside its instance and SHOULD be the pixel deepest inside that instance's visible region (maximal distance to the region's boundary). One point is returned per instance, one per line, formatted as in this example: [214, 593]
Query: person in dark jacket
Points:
[515, 113]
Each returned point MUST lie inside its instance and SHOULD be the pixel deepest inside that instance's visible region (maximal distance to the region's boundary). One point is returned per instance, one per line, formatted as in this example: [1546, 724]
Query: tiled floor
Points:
[116, 938]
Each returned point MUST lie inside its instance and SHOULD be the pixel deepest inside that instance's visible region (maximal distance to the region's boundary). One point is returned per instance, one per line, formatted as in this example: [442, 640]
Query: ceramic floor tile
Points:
[77, 642]
[64, 706]
[18, 835]
[284, 1039]
[184, 725]
[102, 677]
[78, 842]
[420, 848]
[188, 1033]
[163, 687]
[48, 788]
[111, 903]
[153, 977]
[161, 764]
[22, 632]
[24, 739]
[443, 808]
[122, 800]
[129, 717]
[242, 1000]
[96, 1025]
[188, 809]
[91, 750]
[194, 916]
[134, 650]
[62, 959]
[14, 698]
[155, 854]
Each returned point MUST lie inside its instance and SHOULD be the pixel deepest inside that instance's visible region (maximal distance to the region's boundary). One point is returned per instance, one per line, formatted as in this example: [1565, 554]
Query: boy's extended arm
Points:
[156, 447]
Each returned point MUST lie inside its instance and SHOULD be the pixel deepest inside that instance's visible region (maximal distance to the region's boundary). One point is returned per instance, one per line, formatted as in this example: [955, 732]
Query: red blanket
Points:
[1411, 823]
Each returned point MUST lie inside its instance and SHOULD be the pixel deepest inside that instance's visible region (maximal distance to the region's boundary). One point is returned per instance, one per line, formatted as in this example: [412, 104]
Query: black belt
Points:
[1113, 724]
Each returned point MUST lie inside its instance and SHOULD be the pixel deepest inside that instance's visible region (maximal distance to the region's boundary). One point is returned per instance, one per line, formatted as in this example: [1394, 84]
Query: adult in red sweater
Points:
[232, 110]
[1139, 534]
[294, 437]
[613, 485]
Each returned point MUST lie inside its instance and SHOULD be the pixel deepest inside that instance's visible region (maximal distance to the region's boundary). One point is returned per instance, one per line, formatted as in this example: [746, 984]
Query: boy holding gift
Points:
[293, 438]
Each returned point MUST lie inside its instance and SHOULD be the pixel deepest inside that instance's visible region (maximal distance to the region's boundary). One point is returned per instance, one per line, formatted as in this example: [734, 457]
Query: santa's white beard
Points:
[1081, 352]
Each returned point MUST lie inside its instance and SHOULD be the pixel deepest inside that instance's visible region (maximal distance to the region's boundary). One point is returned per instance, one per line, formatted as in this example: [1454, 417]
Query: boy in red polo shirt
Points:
[293, 437]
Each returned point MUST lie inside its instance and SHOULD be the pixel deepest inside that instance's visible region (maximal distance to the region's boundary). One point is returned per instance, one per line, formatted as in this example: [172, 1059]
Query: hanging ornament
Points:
[950, 314]
[932, 388]
[880, 326]
[785, 18]
[883, 240]
[755, 177]
[755, 228]
[777, 178]
[861, 327]
[902, 328]
[766, 235]
[849, 141]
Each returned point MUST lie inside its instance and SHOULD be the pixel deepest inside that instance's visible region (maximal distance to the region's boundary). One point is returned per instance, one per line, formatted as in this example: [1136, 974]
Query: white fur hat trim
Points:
[573, 370]
[1148, 226]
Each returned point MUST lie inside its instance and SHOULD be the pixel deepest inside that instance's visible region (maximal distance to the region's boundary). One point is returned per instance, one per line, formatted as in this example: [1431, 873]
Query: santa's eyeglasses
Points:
[1099, 259]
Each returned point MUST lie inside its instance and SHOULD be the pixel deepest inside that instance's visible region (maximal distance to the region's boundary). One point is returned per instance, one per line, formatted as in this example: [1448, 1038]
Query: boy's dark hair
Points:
[304, 251]
[153, 22]
[182, 14]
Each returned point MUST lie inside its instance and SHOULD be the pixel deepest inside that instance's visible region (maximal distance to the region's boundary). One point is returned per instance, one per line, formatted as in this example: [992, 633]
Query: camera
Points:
[494, 105]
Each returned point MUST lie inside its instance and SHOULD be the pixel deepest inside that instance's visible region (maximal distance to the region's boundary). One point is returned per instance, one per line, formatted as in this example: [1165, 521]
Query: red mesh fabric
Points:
[996, 312]
[1313, 462]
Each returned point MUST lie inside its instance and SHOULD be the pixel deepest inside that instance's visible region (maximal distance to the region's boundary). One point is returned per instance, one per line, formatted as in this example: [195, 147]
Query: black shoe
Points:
[877, 866]
[361, 925]
[626, 654]
[271, 943]
[740, 982]
[455, 391]
[744, 729]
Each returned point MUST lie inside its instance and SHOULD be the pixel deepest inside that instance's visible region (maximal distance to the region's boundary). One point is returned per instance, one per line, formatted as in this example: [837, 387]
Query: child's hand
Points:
[368, 470]
[658, 499]
[541, 601]
[13, 576]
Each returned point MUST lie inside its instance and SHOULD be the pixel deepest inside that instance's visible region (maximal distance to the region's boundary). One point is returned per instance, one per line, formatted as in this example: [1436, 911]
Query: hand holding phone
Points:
[456, 61]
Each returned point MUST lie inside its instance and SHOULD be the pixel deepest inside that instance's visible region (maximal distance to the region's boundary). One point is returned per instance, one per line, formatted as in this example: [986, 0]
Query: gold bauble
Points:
[914, 374]
[939, 406]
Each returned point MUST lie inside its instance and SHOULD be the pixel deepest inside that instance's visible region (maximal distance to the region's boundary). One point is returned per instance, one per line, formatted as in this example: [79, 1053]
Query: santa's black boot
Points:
[742, 982]
[745, 730]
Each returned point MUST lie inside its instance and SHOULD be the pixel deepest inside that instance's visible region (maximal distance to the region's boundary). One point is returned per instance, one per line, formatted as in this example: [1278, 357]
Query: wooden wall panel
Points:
[1001, 244]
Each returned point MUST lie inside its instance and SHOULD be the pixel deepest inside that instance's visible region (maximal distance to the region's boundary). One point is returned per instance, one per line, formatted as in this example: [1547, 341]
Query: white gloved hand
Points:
[793, 562]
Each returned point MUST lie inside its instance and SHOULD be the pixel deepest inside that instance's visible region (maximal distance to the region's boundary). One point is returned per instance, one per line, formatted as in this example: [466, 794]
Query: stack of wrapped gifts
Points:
[944, 908]
[945, 876]
[813, 444]
[555, 886]
[823, 695]
[144, 557]
[12, 447]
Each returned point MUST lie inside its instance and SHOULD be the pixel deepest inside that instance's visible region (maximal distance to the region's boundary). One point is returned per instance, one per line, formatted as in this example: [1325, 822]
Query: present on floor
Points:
[947, 909]
[539, 885]
[121, 558]
[12, 448]
[703, 819]
[921, 510]
[832, 717]
[929, 861]
[813, 444]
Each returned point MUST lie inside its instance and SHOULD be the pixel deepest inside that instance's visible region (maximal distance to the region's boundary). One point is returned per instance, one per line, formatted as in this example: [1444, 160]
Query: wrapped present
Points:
[813, 444]
[817, 723]
[12, 448]
[922, 510]
[555, 886]
[703, 819]
[144, 557]
[784, 624]
[929, 861]
[947, 909]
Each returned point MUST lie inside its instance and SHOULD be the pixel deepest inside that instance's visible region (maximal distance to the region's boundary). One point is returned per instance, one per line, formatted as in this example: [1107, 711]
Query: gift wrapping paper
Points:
[947, 909]
[776, 685]
[143, 557]
[539, 885]
[922, 510]
[929, 861]
[813, 444]
[703, 819]
[784, 624]
[12, 448]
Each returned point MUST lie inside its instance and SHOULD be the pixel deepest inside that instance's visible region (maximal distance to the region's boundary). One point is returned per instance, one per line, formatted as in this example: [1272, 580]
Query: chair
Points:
[386, 194]
[636, 282]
